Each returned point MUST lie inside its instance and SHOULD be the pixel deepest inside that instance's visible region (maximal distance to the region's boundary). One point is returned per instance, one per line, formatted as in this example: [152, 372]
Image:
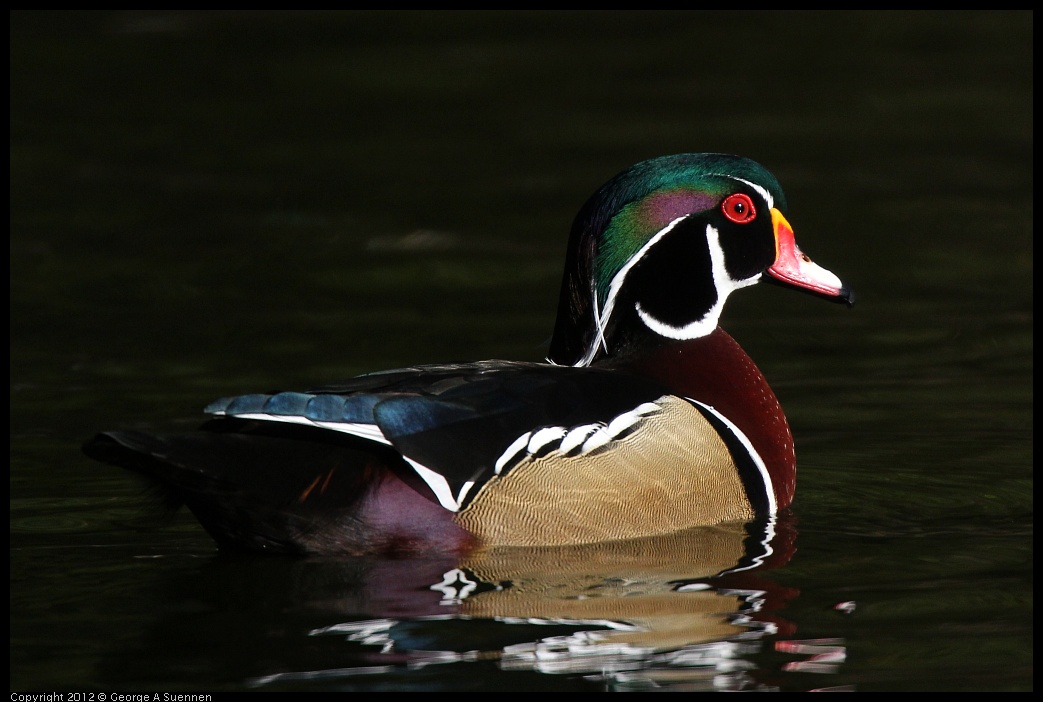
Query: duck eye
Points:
[739, 208]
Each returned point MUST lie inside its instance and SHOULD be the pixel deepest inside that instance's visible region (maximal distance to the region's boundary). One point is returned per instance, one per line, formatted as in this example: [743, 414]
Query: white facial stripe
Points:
[692, 330]
[724, 285]
[602, 316]
[599, 337]
[759, 188]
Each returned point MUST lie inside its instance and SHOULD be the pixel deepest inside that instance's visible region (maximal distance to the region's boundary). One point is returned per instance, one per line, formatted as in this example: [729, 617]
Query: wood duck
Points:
[646, 418]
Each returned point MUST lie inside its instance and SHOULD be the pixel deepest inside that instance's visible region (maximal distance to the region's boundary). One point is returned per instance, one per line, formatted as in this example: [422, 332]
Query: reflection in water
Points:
[685, 611]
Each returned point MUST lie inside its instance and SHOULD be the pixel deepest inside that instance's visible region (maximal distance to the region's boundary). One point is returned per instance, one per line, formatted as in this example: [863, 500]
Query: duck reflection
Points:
[682, 611]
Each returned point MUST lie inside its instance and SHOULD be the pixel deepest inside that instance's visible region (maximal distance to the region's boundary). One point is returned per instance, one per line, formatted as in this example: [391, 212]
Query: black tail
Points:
[280, 493]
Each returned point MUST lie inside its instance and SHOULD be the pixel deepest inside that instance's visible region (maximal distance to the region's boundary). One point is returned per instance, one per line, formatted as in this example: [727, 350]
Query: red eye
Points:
[739, 208]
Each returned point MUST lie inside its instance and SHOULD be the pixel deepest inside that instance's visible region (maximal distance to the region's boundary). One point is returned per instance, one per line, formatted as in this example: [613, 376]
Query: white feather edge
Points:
[438, 484]
[589, 436]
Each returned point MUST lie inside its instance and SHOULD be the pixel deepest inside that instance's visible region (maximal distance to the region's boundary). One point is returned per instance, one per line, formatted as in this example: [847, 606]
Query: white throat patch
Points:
[693, 330]
[722, 282]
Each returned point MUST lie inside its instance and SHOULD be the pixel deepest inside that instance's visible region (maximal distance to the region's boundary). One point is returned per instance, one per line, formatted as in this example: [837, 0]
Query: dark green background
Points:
[205, 204]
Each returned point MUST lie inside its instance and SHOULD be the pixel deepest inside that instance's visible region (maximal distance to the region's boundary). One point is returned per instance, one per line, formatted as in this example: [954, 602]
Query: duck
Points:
[646, 418]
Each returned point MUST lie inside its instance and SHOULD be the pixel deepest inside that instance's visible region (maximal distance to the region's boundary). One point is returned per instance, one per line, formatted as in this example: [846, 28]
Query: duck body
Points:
[646, 419]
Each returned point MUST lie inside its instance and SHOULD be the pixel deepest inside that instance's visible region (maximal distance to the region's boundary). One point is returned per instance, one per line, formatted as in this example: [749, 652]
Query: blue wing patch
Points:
[458, 425]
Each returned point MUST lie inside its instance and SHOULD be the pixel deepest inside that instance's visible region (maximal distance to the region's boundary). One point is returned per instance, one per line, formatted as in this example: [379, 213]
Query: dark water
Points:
[208, 204]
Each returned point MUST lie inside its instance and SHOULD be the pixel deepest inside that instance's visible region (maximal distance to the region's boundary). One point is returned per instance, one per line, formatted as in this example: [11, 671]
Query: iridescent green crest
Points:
[659, 191]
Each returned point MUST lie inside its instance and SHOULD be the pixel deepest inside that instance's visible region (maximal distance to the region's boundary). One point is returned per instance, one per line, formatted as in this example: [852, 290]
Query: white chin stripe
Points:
[722, 282]
[702, 326]
[692, 330]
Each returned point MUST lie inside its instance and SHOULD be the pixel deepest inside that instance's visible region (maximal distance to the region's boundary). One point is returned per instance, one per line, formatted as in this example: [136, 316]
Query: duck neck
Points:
[715, 371]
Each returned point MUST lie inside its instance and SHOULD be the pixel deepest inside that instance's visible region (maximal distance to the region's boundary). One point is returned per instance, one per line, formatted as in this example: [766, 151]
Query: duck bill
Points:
[793, 269]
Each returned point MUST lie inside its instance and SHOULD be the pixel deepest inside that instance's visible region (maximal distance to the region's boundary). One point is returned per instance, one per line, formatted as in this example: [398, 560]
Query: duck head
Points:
[656, 251]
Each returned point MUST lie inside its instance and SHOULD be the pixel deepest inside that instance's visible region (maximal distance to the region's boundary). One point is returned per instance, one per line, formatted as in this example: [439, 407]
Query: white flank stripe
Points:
[544, 437]
[463, 491]
[512, 450]
[438, 485]
[577, 436]
[596, 440]
[585, 436]
[628, 419]
[757, 460]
